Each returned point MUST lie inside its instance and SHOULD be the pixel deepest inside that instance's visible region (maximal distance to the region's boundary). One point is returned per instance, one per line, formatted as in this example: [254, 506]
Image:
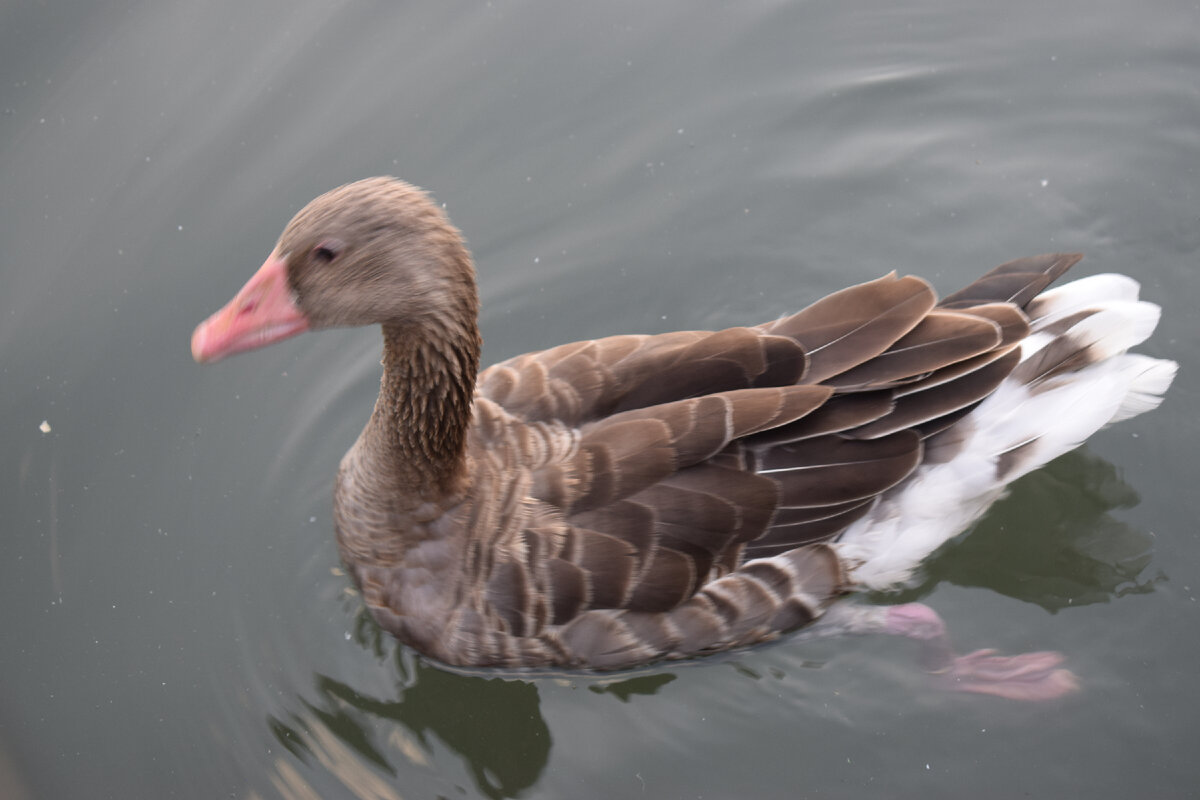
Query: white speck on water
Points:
[178, 227]
[312, 519]
[926, 766]
[537, 259]
[44, 427]
[1045, 183]
[347, 636]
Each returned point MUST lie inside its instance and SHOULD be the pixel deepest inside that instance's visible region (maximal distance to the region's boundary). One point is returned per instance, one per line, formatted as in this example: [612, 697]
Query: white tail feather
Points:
[1091, 292]
[1151, 377]
[1018, 428]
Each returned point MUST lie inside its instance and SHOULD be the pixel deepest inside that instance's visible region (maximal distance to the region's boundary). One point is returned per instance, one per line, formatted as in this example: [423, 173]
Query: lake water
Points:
[175, 622]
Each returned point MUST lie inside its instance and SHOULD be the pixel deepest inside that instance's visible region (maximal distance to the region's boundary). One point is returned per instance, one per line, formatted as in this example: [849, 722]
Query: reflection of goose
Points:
[1052, 540]
[606, 503]
[494, 725]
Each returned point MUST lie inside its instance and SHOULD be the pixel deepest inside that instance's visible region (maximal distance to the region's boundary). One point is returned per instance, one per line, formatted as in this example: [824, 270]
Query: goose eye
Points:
[327, 251]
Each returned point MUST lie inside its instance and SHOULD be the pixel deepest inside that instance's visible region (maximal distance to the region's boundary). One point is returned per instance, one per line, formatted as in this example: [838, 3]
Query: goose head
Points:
[377, 251]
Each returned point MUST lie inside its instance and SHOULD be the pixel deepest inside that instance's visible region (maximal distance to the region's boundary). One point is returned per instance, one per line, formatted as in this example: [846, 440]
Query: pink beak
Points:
[263, 312]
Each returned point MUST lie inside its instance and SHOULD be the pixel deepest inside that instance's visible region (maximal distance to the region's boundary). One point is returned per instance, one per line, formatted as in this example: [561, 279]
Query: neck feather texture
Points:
[420, 419]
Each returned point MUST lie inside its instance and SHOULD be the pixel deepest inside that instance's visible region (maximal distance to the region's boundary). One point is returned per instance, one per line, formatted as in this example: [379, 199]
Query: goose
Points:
[605, 504]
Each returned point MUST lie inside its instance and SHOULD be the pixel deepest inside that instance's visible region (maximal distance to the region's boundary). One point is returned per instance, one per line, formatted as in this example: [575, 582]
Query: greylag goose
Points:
[608, 503]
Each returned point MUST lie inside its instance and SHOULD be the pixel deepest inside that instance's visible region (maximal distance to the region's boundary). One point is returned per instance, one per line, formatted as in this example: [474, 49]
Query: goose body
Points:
[606, 503]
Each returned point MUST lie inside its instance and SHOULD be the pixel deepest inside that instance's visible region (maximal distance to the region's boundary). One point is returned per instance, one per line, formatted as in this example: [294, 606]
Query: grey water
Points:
[175, 620]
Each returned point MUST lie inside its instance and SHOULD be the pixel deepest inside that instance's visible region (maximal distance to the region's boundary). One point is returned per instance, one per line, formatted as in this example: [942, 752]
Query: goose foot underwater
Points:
[1024, 676]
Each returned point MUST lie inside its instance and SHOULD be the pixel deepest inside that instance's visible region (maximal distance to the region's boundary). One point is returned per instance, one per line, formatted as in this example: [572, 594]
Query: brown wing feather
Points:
[941, 338]
[943, 398]
[580, 382]
[1016, 282]
[849, 327]
[1014, 325]
[793, 527]
[834, 469]
[656, 465]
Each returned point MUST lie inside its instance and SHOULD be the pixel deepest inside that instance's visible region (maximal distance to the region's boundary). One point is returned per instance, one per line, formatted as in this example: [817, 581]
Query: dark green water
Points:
[174, 620]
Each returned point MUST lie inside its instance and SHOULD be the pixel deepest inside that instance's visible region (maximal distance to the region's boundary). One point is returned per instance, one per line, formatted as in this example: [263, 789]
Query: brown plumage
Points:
[602, 504]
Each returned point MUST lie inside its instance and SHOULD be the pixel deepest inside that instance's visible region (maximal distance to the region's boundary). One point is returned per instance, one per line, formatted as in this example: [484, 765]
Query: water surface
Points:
[175, 620]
